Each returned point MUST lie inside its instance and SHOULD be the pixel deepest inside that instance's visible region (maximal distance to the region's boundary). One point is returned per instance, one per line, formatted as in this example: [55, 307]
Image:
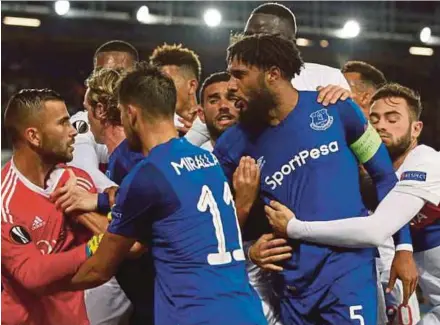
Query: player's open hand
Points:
[72, 197]
[246, 182]
[404, 268]
[268, 250]
[279, 216]
[331, 94]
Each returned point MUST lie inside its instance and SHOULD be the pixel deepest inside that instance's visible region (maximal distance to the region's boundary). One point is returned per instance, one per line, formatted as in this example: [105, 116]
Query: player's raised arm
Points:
[366, 144]
[399, 207]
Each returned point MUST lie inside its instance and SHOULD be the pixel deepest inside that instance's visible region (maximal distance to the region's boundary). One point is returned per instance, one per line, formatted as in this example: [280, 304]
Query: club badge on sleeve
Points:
[81, 126]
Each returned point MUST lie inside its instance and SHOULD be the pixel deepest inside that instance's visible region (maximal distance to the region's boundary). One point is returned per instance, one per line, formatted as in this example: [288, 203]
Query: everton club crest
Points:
[321, 120]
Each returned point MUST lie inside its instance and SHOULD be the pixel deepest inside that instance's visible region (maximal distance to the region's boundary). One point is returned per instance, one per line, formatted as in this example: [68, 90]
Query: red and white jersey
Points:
[311, 77]
[89, 155]
[419, 175]
[41, 248]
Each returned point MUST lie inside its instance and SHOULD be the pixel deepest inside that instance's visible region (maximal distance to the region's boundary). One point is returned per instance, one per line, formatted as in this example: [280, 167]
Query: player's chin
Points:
[224, 124]
[386, 140]
[68, 155]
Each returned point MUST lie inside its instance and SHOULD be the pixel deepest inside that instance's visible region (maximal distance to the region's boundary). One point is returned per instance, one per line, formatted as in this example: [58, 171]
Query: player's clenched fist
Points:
[246, 182]
[279, 217]
[268, 250]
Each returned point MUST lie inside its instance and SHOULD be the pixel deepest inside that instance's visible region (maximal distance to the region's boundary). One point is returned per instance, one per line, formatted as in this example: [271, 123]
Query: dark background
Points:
[58, 54]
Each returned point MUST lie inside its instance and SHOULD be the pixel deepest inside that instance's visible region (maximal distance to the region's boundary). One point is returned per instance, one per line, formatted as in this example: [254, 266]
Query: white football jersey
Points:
[89, 155]
[311, 77]
[419, 175]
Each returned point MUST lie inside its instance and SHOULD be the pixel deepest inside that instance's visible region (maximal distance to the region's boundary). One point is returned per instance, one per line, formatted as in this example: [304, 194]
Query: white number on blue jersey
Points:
[207, 201]
[353, 315]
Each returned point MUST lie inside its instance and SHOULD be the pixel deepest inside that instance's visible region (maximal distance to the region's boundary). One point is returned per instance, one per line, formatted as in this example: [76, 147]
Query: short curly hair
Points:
[177, 55]
[265, 51]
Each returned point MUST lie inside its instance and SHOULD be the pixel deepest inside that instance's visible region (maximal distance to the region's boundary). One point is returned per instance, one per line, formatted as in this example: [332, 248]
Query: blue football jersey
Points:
[179, 202]
[121, 161]
[307, 163]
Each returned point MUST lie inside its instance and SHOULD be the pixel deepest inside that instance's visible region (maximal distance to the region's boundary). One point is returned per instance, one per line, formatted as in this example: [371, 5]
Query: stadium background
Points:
[58, 53]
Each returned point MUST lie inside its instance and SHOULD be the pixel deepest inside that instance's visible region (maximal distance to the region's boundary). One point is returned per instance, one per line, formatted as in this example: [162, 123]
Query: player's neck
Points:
[113, 136]
[286, 103]
[32, 166]
[155, 134]
[399, 161]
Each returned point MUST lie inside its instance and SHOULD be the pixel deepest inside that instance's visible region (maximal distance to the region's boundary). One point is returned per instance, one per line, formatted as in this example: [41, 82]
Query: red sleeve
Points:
[34, 271]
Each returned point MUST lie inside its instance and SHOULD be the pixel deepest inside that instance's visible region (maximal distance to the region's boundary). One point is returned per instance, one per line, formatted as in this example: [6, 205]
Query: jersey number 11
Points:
[207, 200]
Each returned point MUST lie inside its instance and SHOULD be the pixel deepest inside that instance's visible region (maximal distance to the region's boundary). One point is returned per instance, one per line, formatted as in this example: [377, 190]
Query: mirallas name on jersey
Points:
[194, 163]
[298, 161]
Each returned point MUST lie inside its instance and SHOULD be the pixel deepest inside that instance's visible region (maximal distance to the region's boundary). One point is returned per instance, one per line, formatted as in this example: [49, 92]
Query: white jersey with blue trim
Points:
[419, 175]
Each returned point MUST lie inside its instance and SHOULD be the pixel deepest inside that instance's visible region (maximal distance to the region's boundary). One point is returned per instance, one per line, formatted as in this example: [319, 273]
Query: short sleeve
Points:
[420, 175]
[137, 197]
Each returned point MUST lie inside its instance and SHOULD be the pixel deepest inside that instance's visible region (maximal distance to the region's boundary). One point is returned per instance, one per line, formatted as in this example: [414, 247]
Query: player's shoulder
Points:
[234, 138]
[309, 98]
[5, 170]
[315, 68]
[422, 159]
[140, 181]
[83, 179]
[80, 122]
[313, 75]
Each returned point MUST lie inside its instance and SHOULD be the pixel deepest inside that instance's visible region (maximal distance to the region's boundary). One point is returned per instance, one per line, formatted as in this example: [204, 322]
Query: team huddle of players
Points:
[263, 204]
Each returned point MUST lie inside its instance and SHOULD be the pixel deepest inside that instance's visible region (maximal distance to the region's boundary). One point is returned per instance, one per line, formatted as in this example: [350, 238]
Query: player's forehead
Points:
[236, 65]
[217, 88]
[389, 105]
[261, 23]
[54, 110]
[114, 60]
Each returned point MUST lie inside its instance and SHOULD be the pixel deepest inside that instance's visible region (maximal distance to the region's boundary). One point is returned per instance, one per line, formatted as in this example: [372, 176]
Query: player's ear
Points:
[365, 98]
[417, 128]
[193, 84]
[33, 136]
[132, 114]
[100, 112]
[272, 74]
[201, 114]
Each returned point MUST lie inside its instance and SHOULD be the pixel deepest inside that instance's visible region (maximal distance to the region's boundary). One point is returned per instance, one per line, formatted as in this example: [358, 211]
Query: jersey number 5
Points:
[207, 200]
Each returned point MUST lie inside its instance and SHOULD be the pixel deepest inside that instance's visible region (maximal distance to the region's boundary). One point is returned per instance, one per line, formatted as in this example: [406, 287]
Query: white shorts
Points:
[428, 264]
[107, 304]
[260, 281]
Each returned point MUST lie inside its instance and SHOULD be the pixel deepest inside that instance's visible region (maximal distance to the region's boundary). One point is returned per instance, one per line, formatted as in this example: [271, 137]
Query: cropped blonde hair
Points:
[103, 84]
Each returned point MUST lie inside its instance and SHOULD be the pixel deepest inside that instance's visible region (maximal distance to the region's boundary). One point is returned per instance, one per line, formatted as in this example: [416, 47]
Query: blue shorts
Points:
[349, 300]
